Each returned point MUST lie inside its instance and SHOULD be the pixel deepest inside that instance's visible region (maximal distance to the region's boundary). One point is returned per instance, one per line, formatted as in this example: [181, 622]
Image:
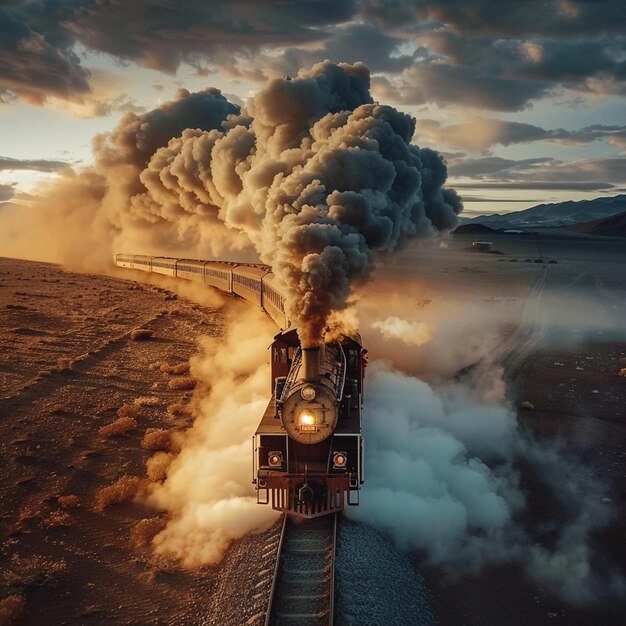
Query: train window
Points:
[280, 355]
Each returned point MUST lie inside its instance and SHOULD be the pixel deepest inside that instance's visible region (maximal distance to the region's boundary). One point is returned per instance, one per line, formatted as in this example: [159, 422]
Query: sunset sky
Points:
[524, 99]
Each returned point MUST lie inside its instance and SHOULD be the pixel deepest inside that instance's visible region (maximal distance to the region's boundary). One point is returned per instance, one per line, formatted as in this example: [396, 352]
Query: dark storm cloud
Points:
[38, 165]
[505, 17]
[540, 173]
[480, 133]
[37, 38]
[498, 56]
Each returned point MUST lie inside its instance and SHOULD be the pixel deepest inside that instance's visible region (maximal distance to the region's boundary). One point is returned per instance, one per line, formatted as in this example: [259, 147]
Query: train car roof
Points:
[164, 258]
[251, 271]
[194, 262]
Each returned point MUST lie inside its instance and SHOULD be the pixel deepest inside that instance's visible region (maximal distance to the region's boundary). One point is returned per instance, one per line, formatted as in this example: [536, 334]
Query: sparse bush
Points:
[57, 519]
[69, 502]
[622, 372]
[182, 384]
[126, 488]
[527, 405]
[146, 401]
[118, 427]
[145, 530]
[157, 466]
[141, 334]
[35, 570]
[12, 608]
[65, 363]
[128, 410]
[59, 409]
[165, 367]
[157, 439]
[178, 410]
[181, 368]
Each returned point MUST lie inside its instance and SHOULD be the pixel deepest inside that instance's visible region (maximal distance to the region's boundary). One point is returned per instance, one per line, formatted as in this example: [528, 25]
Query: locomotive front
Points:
[308, 447]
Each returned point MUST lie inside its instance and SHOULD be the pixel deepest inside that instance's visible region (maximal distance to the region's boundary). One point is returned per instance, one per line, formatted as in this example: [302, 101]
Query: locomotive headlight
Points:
[307, 422]
[275, 459]
[339, 460]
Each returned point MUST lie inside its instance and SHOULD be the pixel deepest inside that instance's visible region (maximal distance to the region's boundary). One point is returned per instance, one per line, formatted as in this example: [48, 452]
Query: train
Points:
[308, 449]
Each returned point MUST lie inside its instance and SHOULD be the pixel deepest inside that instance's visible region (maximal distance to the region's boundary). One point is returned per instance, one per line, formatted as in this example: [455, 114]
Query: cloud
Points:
[479, 134]
[8, 164]
[6, 192]
[540, 173]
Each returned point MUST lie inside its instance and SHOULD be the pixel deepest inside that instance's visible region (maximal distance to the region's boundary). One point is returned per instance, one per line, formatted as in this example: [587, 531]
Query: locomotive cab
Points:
[308, 448]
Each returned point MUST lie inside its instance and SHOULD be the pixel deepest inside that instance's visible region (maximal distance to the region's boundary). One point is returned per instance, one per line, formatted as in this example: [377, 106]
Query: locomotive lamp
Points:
[307, 422]
[339, 460]
[275, 459]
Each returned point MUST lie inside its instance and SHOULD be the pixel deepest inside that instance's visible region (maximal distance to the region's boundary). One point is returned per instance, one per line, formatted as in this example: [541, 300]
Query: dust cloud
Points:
[207, 493]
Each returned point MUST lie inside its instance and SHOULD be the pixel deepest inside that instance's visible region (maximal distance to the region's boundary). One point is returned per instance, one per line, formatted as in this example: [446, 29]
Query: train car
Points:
[273, 302]
[308, 447]
[190, 269]
[247, 283]
[219, 274]
[164, 265]
[134, 261]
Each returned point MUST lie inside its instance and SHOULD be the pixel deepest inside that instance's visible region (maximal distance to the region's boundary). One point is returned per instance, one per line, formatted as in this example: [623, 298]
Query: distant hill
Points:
[474, 229]
[614, 226]
[561, 214]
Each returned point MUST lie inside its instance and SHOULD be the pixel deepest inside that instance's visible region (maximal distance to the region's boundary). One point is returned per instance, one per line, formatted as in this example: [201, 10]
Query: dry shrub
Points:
[157, 439]
[182, 384]
[65, 363]
[178, 410]
[141, 334]
[118, 427]
[12, 608]
[126, 488]
[157, 466]
[69, 502]
[181, 368]
[157, 365]
[128, 410]
[164, 367]
[59, 409]
[622, 372]
[35, 570]
[57, 519]
[145, 530]
[146, 401]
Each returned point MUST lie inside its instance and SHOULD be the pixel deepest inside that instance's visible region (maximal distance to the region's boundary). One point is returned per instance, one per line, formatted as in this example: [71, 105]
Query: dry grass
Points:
[128, 410]
[117, 428]
[126, 488]
[178, 410]
[59, 409]
[622, 372]
[157, 466]
[57, 519]
[146, 401]
[12, 608]
[180, 368]
[69, 502]
[157, 439]
[65, 363]
[32, 571]
[145, 530]
[141, 334]
[182, 384]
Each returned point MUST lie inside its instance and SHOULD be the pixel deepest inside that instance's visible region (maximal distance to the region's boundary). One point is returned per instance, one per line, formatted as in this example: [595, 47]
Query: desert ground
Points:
[91, 363]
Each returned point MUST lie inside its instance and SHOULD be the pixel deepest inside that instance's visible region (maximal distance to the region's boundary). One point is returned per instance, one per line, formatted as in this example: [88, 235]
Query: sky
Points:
[524, 99]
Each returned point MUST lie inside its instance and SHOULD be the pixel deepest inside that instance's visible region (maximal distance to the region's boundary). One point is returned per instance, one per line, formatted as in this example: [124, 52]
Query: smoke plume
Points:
[311, 176]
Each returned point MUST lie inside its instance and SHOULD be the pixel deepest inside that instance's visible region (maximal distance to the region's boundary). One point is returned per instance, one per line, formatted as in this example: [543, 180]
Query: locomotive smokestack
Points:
[311, 363]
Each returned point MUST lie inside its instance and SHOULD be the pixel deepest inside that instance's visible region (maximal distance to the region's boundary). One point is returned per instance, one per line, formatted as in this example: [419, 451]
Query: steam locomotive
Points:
[308, 447]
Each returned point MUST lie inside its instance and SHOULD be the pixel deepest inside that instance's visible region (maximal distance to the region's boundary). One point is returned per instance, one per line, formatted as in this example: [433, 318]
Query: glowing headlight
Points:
[307, 422]
[275, 459]
[339, 460]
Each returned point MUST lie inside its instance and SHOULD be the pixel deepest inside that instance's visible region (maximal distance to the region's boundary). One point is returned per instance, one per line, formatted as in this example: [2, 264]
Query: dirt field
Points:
[70, 362]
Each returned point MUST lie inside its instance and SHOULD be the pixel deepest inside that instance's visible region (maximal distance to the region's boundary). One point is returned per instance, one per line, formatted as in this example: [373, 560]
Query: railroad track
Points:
[303, 586]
